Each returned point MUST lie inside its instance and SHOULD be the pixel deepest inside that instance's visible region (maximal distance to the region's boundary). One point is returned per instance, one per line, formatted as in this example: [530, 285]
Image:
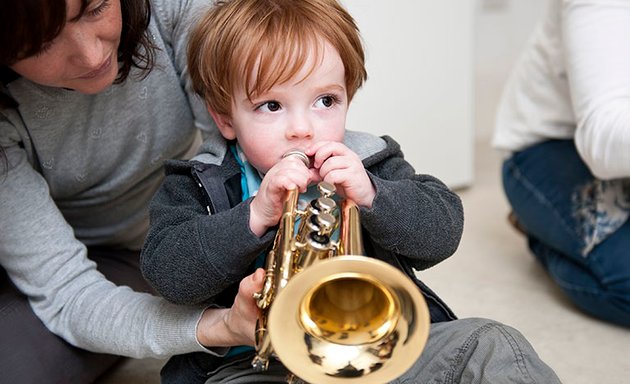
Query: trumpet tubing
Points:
[329, 314]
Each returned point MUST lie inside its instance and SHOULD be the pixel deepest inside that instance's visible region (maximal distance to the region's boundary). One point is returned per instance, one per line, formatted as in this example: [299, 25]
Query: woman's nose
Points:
[87, 49]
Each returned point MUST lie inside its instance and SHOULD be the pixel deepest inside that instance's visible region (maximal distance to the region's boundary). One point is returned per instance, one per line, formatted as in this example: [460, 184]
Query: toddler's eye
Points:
[326, 101]
[269, 106]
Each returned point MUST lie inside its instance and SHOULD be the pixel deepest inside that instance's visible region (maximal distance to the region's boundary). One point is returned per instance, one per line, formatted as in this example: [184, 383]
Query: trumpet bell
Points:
[349, 319]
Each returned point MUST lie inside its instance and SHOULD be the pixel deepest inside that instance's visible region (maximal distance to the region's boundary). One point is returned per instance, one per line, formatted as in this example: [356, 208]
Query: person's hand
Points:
[241, 318]
[266, 208]
[339, 165]
[236, 325]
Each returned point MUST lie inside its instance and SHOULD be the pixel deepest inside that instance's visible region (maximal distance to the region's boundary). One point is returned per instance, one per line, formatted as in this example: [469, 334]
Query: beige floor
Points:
[492, 275]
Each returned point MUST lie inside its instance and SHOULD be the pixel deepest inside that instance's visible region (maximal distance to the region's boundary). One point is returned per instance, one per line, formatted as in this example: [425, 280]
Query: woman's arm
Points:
[597, 47]
[75, 301]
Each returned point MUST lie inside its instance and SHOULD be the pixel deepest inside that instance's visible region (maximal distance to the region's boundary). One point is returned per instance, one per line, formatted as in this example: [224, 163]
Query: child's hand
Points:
[339, 165]
[266, 208]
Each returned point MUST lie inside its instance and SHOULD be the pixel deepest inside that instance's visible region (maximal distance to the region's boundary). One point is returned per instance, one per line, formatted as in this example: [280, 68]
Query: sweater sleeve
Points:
[190, 256]
[598, 68]
[414, 216]
[49, 265]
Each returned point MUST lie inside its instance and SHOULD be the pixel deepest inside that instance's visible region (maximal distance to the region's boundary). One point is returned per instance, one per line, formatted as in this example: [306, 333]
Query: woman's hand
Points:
[339, 165]
[241, 319]
[236, 325]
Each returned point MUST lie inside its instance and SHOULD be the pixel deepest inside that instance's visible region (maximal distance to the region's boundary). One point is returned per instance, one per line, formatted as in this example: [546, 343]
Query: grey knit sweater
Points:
[191, 257]
[82, 170]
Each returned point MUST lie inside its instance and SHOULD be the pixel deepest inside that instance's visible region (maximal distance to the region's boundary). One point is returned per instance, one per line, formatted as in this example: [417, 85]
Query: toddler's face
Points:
[292, 115]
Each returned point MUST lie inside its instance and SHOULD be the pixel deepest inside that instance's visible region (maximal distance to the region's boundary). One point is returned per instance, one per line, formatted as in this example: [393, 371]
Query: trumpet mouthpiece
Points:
[301, 155]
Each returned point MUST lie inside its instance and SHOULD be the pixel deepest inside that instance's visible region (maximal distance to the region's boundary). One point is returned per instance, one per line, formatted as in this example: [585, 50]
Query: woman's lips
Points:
[104, 68]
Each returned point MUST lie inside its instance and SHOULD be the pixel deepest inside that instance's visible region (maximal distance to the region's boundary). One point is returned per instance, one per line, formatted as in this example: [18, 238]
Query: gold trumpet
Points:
[329, 314]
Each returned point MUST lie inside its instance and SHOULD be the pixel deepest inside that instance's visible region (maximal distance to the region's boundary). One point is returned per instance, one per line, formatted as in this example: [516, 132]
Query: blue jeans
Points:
[541, 183]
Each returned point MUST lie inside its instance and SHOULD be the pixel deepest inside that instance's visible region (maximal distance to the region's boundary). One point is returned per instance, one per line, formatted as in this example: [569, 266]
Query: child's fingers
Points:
[290, 177]
[340, 163]
[322, 151]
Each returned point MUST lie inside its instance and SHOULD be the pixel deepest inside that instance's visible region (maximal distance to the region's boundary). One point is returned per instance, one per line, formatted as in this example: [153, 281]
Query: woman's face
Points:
[83, 57]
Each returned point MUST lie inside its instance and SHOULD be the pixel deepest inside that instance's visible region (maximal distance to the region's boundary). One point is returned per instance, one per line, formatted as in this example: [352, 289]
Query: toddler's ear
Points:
[224, 123]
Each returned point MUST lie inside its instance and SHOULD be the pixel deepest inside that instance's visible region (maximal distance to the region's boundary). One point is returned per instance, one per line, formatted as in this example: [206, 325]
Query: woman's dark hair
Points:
[26, 25]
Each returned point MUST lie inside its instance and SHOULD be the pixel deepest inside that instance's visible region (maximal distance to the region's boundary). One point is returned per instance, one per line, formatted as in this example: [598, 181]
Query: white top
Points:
[573, 81]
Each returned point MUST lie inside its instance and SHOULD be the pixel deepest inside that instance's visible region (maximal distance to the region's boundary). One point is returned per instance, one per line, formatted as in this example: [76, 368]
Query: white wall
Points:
[502, 28]
[420, 86]
[436, 70]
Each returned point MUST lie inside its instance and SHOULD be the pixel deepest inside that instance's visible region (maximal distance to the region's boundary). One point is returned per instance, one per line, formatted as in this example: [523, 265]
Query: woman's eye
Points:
[269, 106]
[100, 8]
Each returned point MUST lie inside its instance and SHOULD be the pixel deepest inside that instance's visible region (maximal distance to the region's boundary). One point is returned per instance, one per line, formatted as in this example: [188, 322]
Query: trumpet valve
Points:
[260, 364]
[324, 204]
[325, 223]
[326, 189]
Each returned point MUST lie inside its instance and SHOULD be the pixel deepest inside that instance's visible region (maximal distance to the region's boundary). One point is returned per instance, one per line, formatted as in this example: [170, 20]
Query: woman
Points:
[564, 121]
[94, 96]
